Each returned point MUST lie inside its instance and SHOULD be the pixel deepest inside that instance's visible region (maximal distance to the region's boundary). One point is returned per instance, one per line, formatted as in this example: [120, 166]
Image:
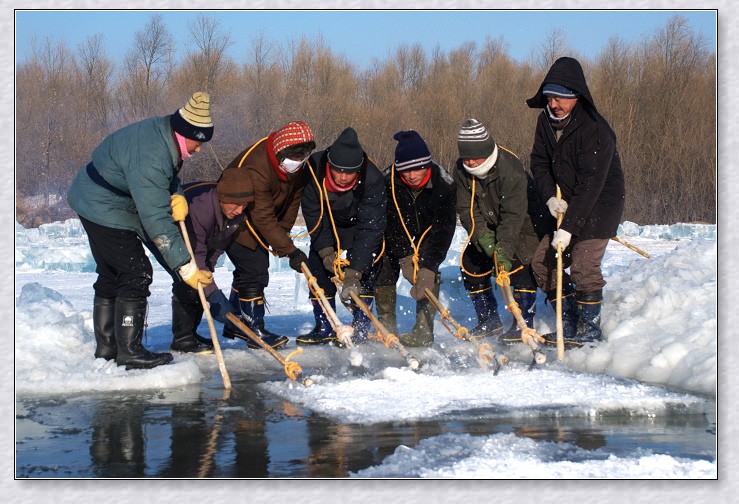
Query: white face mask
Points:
[291, 166]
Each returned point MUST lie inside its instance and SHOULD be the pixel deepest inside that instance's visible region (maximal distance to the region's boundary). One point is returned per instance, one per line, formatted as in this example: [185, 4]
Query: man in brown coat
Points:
[272, 169]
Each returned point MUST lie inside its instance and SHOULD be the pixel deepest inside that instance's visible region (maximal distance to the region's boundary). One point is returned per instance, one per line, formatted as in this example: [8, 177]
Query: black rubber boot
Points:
[569, 320]
[385, 296]
[130, 315]
[185, 320]
[422, 334]
[361, 322]
[588, 316]
[251, 310]
[323, 333]
[526, 300]
[103, 318]
[486, 308]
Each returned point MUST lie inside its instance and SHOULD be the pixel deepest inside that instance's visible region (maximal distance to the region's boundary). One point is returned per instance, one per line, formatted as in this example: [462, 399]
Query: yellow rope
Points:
[469, 236]
[320, 200]
[485, 351]
[386, 340]
[415, 247]
[293, 369]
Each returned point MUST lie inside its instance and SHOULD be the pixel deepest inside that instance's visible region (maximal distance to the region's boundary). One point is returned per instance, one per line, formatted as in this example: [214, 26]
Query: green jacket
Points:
[141, 160]
[501, 206]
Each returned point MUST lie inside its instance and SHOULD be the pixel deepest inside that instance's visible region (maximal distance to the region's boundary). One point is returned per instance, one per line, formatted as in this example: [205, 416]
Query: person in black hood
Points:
[575, 151]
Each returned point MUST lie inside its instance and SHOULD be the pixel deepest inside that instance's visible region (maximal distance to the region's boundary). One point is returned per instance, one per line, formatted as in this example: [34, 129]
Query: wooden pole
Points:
[388, 341]
[208, 316]
[632, 247]
[558, 308]
[344, 333]
[528, 335]
[292, 369]
[484, 350]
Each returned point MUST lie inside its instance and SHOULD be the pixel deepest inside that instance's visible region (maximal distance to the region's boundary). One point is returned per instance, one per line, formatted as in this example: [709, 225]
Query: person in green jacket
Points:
[494, 207]
[128, 196]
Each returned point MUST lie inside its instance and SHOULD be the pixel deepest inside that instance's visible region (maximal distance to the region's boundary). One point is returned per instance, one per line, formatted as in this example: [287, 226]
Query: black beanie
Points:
[346, 153]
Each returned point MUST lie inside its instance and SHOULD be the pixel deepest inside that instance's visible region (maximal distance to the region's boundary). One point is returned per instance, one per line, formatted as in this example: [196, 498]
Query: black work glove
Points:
[297, 257]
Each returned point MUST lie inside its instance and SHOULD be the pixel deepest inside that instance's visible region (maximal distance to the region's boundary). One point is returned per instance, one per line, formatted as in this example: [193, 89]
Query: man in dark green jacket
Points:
[493, 206]
[127, 196]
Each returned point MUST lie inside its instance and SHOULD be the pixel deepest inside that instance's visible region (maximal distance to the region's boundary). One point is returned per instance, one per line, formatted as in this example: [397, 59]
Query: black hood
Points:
[565, 72]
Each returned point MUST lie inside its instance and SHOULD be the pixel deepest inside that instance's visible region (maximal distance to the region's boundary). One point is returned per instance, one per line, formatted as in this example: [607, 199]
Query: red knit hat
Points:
[293, 133]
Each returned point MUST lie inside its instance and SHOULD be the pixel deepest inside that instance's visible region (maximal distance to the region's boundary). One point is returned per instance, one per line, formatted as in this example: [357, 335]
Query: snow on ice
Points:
[659, 321]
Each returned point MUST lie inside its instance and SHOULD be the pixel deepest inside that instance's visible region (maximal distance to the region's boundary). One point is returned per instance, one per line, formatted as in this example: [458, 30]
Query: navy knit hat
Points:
[474, 141]
[558, 91]
[346, 153]
[411, 153]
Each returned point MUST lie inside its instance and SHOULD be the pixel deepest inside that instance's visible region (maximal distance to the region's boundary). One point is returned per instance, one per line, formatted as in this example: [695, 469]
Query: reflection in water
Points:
[117, 446]
[202, 432]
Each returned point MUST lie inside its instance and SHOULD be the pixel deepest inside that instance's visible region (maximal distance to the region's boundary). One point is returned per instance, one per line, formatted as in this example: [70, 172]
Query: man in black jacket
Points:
[344, 210]
[421, 219]
[575, 150]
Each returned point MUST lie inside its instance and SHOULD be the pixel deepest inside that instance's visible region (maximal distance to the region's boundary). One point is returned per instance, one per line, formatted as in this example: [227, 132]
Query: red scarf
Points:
[420, 184]
[331, 185]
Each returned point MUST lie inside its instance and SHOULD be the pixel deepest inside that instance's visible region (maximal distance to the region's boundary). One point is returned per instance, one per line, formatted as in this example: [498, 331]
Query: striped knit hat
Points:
[558, 91]
[193, 120]
[474, 141]
[411, 153]
[293, 133]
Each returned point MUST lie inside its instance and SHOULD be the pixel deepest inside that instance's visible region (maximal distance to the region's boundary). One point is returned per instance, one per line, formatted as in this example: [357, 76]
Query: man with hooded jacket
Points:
[575, 150]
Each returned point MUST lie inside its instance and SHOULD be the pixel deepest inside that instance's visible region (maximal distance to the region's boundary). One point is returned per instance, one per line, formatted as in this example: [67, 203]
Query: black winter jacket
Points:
[433, 205]
[584, 162]
[358, 214]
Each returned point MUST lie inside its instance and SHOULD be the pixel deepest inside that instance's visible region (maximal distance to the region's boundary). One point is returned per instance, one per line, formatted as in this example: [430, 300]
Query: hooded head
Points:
[193, 120]
[564, 76]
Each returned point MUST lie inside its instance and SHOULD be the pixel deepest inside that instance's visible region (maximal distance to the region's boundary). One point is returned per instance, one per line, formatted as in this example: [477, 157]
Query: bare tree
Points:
[95, 71]
[147, 67]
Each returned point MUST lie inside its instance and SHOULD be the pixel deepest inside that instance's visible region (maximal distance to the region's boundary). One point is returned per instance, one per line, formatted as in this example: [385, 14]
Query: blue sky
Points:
[365, 35]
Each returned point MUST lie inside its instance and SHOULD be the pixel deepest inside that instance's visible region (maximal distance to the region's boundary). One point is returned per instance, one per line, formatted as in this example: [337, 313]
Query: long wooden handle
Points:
[208, 316]
[558, 308]
[343, 332]
[397, 345]
[297, 372]
[632, 247]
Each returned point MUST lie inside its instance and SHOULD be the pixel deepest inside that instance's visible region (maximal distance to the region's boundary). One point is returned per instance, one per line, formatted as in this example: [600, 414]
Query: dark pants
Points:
[251, 273]
[476, 263]
[123, 268]
[582, 257]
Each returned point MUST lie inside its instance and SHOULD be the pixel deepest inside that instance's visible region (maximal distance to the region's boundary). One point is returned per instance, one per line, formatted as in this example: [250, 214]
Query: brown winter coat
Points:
[273, 200]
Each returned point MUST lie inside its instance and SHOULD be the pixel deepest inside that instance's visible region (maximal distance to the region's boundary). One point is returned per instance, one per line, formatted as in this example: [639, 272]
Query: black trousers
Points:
[124, 270]
[251, 268]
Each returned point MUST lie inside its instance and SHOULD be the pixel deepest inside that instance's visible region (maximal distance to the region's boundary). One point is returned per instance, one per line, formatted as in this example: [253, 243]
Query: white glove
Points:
[561, 237]
[556, 206]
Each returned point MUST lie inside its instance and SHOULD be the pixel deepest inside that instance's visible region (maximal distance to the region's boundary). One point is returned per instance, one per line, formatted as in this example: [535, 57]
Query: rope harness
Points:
[469, 236]
[414, 246]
